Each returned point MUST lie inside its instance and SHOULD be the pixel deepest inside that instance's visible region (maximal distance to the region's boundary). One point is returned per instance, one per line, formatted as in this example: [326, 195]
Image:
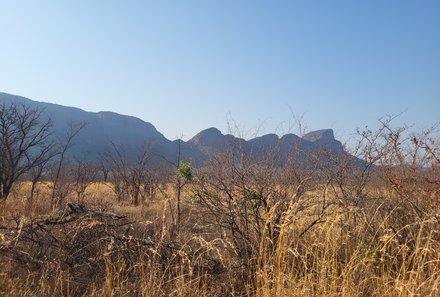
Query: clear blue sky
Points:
[188, 65]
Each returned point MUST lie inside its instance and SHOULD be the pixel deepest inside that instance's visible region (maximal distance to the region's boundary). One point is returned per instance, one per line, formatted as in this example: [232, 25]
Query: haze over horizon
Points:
[187, 66]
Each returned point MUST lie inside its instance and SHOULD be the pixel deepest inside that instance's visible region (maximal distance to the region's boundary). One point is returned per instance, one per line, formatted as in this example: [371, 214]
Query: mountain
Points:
[212, 140]
[100, 130]
[103, 128]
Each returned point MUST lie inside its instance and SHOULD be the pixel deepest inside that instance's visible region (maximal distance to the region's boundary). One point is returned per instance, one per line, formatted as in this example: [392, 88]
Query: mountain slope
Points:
[101, 128]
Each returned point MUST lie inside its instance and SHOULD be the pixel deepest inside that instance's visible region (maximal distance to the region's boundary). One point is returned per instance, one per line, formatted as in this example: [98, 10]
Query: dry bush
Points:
[380, 236]
[83, 251]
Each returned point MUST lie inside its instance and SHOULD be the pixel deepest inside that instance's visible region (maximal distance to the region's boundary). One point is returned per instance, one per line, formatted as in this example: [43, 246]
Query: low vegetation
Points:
[238, 226]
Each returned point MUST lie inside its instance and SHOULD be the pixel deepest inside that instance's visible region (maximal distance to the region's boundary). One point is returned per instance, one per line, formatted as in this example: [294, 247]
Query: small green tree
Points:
[184, 171]
[184, 175]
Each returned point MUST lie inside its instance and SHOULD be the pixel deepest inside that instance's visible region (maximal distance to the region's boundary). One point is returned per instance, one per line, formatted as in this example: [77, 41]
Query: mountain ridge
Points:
[104, 127]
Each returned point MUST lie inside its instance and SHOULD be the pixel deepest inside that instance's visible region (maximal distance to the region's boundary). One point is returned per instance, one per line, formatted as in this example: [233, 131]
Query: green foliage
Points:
[184, 170]
[194, 196]
[254, 198]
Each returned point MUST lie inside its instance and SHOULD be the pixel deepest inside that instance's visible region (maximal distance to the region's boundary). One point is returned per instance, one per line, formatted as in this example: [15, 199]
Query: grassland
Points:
[303, 247]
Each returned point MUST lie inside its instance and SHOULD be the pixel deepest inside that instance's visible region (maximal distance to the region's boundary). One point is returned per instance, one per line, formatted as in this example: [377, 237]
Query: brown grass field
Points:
[344, 250]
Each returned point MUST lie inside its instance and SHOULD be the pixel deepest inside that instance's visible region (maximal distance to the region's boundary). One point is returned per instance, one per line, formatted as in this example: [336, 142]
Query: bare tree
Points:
[103, 167]
[58, 190]
[25, 143]
[36, 174]
[84, 174]
[130, 177]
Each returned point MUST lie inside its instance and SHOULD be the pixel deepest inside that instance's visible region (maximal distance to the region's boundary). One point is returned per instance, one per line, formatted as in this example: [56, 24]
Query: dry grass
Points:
[368, 250]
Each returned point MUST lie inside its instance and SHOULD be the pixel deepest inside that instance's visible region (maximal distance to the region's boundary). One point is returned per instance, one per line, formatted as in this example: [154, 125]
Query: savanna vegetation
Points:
[240, 225]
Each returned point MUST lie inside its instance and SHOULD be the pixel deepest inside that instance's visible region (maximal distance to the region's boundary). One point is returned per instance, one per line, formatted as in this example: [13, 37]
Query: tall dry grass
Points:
[331, 263]
[333, 258]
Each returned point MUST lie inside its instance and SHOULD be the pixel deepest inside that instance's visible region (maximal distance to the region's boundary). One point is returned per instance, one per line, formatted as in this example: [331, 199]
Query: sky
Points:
[248, 67]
